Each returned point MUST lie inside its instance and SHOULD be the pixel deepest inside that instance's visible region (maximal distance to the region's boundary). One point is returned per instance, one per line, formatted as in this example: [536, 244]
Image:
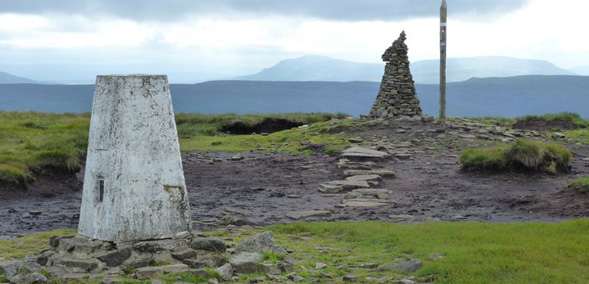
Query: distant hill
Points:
[323, 68]
[6, 78]
[461, 69]
[582, 70]
[318, 68]
[503, 97]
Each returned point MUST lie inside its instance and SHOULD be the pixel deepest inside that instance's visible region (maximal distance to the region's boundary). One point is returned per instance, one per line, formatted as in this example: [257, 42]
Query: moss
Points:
[580, 184]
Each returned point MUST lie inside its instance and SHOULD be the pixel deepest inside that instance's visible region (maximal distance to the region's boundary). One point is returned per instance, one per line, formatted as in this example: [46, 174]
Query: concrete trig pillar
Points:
[134, 186]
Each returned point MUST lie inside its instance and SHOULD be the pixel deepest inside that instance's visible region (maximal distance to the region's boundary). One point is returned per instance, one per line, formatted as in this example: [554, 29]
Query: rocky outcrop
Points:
[397, 96]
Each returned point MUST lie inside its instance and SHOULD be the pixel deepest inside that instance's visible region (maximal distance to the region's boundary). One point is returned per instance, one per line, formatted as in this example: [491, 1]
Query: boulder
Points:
[411, 265]
[246, 262]
[175, 268]
[116, 257]
[209, 244]
[148, 272]
[259, 243]
[225, 272]
[32, 278]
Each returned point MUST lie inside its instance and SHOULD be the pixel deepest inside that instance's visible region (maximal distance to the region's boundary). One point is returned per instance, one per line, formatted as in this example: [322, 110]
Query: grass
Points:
[472, 252]
[580, 184]
[528, 155]
[574, 118]
[20, 247]
[31, 142]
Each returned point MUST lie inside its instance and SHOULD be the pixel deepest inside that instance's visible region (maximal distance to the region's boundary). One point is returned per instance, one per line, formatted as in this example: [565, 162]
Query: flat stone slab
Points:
[382, 173]
[363, 153]
[364, 202]
[365, 178]
[328, 188]
[349, 184]
[378, 193]
[305, 214]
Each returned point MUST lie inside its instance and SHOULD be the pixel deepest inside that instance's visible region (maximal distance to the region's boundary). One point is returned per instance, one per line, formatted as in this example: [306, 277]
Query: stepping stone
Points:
[346, 164]
[305, 214]
[365, 178]
[349, 184]
[363, 203]
[382, 173]
[378, 193]
[363, 153]
[328, 188]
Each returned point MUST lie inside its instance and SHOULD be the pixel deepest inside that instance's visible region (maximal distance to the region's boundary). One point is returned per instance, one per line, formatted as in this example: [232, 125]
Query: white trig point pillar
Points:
[134, 187]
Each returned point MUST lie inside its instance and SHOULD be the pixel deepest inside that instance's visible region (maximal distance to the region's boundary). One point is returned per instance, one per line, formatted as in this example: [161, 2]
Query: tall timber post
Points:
[443, 26]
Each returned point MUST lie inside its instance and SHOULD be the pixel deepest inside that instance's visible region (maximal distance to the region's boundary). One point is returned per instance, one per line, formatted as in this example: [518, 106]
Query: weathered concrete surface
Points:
[134, 187]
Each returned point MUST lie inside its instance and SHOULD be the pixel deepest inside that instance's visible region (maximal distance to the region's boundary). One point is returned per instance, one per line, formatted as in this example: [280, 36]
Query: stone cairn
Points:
[397, 95]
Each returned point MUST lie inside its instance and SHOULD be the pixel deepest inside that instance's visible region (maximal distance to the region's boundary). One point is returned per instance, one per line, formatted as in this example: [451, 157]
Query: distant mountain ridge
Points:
[502, 97]
[7, 78]
[318, 68]
[323, 68]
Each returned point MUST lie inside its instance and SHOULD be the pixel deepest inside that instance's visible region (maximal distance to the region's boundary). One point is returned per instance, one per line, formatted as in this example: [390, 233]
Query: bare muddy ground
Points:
[264, 189]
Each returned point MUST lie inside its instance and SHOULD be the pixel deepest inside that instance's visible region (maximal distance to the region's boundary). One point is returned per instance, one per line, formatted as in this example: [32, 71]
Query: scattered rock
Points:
[209, 244]
[296, 215]
[294, 277]
[259, 243]
[365, 178]
[363, 203]
[158, 245]
[184, 254]
[115, 258]
[363, 153]
[558, 135]
[246, 262]
[225, 272]
[321, 265]
[175, 268]
[382, 173]
[35, 213]
[148, 272]
[356, 140]
[348, 184]
[410, 265]
[351, 278]
[329, 188]
[401, 218]
[237, 157]
[32, 278]
[369, 265]
[378, 193]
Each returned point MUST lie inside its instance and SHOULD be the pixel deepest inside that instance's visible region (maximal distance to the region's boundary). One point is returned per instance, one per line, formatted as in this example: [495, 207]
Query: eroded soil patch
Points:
[265, 188]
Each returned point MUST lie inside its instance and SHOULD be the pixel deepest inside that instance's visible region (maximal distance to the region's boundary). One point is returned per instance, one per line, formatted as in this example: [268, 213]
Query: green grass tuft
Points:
[484, 159]
[580, 184]
[528, 155]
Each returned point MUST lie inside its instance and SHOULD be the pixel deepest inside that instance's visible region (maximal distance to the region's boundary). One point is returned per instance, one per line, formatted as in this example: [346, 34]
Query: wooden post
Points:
[443, 18]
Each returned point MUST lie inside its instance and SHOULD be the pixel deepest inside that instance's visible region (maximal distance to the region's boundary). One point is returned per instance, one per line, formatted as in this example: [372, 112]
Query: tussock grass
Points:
[580, 184]
[574, 118]
[30, 141]
[528, 155]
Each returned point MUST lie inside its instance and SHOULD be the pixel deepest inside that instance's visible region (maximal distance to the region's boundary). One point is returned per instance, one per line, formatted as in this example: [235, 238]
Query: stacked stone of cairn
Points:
[397, 96]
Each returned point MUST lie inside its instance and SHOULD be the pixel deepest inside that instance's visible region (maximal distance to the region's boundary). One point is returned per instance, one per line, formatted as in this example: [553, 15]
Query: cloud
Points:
[343, 10]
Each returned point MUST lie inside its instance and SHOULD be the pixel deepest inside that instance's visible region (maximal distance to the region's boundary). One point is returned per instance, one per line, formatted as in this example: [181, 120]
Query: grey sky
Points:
[346, 10]
[53, 40]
